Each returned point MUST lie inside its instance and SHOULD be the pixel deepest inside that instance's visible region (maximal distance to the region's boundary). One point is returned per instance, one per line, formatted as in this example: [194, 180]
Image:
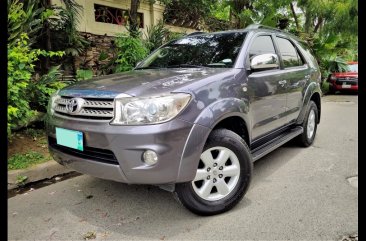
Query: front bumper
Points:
[127, 144]
[336, 87]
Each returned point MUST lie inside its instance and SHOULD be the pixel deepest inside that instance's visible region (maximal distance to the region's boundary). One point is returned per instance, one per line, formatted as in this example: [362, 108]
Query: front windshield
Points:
[353, 67]
[208, 50]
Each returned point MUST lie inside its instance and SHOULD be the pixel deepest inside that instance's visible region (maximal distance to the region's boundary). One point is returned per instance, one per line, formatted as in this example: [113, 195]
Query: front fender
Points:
[201, 129]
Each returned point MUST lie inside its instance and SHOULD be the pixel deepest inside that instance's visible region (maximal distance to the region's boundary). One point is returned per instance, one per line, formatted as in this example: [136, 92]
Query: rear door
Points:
[295, 75]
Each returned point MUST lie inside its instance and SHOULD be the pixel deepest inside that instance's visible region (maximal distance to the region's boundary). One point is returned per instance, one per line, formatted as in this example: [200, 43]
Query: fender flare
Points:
[201, 129]
[309, 92]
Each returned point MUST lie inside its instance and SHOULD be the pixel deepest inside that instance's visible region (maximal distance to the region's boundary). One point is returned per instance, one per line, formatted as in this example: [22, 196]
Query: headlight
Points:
[148, 110]
[51, 102]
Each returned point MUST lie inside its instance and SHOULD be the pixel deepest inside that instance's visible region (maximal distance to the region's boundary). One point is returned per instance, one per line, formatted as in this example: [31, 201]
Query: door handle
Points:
[282, 82]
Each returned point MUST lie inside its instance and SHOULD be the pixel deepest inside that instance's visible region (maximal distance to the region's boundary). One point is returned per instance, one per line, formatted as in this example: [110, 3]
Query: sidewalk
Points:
[35, 173]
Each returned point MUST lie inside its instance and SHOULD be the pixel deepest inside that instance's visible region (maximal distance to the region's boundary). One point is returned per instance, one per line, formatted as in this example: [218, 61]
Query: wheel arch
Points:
[230, 113]
[313, 93]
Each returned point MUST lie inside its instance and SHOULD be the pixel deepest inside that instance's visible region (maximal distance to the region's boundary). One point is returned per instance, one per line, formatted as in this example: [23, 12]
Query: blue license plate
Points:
[70, 138]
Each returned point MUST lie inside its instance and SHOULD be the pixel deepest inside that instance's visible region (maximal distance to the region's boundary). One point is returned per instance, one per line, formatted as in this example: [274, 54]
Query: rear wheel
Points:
[223, 175]
[310, 125]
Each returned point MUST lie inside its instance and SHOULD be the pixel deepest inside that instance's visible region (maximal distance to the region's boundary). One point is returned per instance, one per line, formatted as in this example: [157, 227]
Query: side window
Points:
[261, 45]
[290, 56]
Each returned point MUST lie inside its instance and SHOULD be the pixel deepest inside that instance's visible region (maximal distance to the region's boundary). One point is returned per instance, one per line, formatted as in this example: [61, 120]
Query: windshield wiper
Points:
[185, 66]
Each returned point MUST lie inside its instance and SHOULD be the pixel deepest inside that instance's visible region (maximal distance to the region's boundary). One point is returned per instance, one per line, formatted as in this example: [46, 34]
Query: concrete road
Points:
[296, 194]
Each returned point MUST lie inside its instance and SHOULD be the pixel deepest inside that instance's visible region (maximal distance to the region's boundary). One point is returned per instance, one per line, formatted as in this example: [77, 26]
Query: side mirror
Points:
[264, 62]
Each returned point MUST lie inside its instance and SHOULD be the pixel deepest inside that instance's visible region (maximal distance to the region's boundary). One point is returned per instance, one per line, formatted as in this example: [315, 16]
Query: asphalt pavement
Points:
[296, 194]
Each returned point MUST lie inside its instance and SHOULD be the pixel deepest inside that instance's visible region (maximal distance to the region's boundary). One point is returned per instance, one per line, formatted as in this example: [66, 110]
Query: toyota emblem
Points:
[74, 105]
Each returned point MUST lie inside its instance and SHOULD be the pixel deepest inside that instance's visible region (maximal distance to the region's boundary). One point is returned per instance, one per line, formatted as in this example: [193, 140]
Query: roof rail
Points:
[258, 26]
[194, 33]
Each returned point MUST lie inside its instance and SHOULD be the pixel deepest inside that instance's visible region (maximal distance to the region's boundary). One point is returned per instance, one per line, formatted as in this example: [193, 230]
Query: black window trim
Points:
[246, 58]
[305, 65]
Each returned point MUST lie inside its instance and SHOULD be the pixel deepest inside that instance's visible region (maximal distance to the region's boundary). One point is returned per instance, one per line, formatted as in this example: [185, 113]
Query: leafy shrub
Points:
[21, 60]
[130, 50]
[84, 74]
[24, 18]
[21, 63]
[41, 89]
[156, 36]
[20, 68]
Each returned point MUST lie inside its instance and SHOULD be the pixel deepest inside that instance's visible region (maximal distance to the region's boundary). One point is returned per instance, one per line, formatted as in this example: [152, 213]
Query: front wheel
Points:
[223, 175]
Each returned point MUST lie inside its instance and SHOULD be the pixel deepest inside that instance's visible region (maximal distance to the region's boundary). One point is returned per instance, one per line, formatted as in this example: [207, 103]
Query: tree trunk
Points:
[308, 21]
[133, 18]
[295, 16]
[318, 24]
[45, 66]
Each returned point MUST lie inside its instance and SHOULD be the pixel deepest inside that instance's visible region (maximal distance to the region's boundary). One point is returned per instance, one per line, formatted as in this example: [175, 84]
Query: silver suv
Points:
[193, 116]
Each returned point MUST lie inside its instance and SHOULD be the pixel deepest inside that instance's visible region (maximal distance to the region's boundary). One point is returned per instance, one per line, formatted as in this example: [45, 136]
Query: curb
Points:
[35, 173]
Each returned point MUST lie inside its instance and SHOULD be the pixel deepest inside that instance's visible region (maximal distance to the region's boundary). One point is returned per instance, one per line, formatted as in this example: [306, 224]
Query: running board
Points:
[284, 137]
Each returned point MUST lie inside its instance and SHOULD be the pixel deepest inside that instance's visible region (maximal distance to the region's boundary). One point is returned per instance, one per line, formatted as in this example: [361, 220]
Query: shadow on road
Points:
[139, 210]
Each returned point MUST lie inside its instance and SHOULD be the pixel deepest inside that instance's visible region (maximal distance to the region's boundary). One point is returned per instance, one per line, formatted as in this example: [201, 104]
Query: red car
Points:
[345, 81]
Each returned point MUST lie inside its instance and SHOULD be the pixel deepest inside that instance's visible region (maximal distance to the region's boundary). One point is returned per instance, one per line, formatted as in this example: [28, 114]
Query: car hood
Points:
[140, 82]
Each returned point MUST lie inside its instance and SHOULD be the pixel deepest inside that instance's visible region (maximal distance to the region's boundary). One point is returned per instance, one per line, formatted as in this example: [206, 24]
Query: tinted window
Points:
[261, 45]
[309, 55]
[211, 50]
[290, 56]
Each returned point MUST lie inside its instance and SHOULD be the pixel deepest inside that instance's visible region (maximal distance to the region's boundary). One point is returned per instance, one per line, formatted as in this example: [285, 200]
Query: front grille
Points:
[347, 81]
[90, 153]
[91, 108]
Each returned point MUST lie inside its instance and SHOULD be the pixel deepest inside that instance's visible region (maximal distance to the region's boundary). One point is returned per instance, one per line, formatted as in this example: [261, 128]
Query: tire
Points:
[233, 170]
[331, 91]
[308, 136]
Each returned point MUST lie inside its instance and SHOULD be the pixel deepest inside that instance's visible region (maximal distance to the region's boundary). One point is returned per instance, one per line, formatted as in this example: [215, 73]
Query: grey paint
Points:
[217, 93]
[295, 194]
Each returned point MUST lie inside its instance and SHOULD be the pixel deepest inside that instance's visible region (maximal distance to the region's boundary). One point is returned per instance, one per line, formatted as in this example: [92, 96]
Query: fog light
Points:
[150, 157]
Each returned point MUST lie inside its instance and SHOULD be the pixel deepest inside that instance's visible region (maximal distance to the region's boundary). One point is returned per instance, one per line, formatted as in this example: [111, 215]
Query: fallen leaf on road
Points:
[15, 213]
[51, 193]
[89, 235]
[57, 178]
[47, 220]
[162, 238]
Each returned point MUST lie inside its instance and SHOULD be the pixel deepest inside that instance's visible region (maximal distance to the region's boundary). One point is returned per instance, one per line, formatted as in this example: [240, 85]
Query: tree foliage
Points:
[22, 89]
[131, 50]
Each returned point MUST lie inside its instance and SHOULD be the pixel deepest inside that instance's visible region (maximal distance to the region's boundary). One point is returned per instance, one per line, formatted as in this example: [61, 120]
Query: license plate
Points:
[69, 138]
[345, 86]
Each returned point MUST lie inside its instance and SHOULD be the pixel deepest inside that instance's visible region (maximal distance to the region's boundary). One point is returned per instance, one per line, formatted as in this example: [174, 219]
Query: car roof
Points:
[251, 28]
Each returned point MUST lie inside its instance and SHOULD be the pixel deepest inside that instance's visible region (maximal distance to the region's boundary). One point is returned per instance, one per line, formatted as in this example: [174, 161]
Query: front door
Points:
[267, 91]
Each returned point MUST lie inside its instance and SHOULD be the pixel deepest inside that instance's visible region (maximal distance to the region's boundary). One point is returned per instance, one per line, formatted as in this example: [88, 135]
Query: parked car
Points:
[193, 116]
[345, 81]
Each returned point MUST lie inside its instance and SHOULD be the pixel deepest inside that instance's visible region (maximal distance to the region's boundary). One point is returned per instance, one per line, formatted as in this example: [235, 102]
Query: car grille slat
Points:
[92, 108]
[91, 153]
